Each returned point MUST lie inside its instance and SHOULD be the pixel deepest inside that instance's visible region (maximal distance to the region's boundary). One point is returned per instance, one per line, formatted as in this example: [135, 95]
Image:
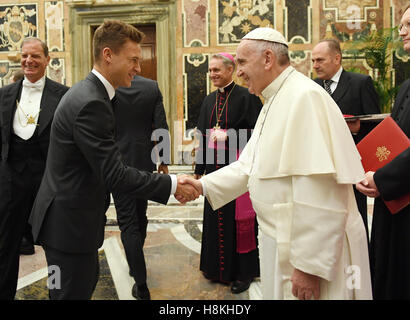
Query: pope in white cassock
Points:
[299, 167]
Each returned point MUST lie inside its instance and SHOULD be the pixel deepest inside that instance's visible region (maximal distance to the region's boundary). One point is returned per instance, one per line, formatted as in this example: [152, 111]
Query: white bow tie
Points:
[37, 85]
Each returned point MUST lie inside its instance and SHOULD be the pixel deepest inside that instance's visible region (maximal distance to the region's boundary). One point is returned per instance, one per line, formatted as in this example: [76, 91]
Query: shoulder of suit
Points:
[405, 84]
[11, 86]
[57, 84]
[356, 75]
[139, 79]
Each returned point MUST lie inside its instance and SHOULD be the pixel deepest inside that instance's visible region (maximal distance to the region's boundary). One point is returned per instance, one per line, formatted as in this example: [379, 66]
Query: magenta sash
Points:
[245, 223]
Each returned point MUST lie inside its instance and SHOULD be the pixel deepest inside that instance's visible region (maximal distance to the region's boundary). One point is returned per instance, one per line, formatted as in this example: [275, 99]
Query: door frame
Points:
[84, 15]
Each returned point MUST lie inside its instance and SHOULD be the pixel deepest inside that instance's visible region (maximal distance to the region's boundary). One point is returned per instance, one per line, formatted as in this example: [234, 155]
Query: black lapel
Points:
[100, 86]
[8, 108]
[342, 86]
[9, 103]
[48, 104]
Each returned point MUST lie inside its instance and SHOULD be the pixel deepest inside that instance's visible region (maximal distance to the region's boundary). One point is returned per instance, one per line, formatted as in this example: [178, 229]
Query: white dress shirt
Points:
[335, 80]
[28, 108]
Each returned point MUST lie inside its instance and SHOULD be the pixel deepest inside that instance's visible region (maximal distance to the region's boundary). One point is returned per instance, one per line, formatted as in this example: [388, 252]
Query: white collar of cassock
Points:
[223, 89]
[275, 85]
[110, 89]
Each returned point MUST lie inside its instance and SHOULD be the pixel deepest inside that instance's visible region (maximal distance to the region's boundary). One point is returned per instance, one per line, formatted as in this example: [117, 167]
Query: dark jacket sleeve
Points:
[393, 180]
[94, 134]
[370, 105]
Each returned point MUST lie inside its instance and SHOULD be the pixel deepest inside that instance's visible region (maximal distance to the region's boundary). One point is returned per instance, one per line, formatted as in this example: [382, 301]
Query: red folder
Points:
[385, 142]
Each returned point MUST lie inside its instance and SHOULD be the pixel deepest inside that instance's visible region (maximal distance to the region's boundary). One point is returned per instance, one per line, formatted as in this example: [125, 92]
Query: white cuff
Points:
[203, 187]
[174, 183]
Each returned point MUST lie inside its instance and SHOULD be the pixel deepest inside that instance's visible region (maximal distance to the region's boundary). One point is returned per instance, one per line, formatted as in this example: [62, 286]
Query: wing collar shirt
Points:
[111, 93]
[28, 108]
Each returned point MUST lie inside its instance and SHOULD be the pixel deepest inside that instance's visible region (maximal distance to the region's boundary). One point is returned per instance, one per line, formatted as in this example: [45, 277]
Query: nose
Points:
[403, 31]
[138, 68]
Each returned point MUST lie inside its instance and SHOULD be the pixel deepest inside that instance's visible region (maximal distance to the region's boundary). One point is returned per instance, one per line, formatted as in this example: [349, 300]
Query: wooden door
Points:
[149, 52]
[149, 55]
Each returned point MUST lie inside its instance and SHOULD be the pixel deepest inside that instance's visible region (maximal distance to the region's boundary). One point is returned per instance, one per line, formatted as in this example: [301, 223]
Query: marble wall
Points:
[200, 28]
[43, 19]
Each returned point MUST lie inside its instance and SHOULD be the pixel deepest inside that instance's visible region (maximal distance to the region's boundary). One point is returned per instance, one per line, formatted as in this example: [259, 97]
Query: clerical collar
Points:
[110, 89]
[226, 88]
[275, 85]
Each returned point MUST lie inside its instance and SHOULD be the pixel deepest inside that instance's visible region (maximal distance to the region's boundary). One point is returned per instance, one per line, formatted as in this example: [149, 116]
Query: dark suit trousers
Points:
[132, 221]
[24, 187]
[76, 276]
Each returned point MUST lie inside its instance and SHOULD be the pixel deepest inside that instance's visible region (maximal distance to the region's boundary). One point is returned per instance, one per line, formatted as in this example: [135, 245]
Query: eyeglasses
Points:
[405, 26]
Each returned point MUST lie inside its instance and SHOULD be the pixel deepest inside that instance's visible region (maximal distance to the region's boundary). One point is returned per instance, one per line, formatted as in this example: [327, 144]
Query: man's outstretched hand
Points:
[188, 189]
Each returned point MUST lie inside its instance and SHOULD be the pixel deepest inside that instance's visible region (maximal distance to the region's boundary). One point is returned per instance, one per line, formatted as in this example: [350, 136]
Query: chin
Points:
[127, 84]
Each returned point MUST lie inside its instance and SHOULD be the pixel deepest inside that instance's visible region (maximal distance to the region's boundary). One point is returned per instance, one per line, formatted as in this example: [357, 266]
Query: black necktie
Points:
[326, 85]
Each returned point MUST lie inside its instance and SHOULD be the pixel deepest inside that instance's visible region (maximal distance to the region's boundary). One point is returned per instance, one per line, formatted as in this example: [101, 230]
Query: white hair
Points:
[280, 50]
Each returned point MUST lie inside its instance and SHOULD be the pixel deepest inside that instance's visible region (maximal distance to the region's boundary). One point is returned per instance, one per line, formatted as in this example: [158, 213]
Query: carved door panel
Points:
[149, 57]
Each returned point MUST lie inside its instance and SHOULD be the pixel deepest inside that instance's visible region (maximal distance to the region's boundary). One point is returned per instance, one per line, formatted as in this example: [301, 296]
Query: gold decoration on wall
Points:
[16, 27]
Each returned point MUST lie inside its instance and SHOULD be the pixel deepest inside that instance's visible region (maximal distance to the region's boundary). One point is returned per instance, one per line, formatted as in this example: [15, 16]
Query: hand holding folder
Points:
[385, 142]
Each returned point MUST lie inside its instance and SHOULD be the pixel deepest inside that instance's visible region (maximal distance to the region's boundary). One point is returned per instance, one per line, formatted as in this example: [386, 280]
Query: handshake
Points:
[188, 188]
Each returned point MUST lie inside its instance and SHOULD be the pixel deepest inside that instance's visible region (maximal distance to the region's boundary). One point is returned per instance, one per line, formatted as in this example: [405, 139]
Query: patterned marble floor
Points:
[171, 250]
[172, 256]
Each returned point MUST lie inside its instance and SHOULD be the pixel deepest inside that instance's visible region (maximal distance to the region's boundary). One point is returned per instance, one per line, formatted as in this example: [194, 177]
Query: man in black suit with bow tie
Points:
[26, 112]
[354, 93]
[84, 165]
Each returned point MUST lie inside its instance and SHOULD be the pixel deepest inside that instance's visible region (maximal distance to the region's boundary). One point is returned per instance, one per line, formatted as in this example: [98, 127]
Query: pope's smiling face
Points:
[250, 66]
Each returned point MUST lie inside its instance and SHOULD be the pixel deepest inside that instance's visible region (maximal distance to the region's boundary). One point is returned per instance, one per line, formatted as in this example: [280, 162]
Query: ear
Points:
[338, 58]
[107, 54]
[269, 58]
[48, 60]
[231, 69]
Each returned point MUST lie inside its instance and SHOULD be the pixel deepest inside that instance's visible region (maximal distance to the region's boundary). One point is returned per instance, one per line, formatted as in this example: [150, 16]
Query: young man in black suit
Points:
[84, 165]
[26, 111]
[354, 93]
[139, 114]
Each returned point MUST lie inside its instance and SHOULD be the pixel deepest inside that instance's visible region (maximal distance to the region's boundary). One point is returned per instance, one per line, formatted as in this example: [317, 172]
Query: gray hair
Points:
[227, 62]
[31, 39]
[280, 50]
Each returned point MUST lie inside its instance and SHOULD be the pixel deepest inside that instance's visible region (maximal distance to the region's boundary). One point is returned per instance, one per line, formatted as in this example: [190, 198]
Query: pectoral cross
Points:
[217, 127]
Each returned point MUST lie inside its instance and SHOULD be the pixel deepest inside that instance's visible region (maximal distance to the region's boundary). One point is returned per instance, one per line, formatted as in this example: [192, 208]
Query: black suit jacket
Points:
[83, 166]
[51, 96]
[355, 95]
[52, 93]
[393, 180]
[141, 111]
